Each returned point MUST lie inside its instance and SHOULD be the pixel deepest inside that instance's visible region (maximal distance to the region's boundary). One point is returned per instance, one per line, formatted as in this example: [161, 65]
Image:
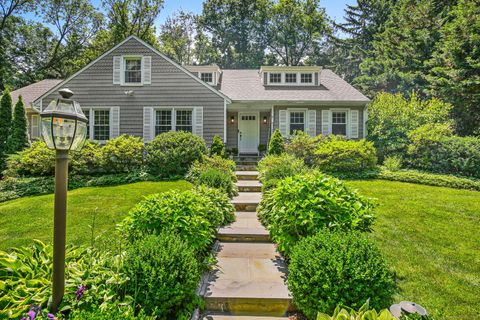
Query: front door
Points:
[248, 132]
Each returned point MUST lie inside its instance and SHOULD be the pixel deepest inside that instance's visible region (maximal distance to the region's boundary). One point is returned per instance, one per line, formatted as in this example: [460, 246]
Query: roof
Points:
[247, 85]
[32, 92]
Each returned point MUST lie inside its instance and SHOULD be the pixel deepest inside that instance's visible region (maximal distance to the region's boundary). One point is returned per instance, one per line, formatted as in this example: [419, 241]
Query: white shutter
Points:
[35, 132]
[117, 69]
[354, 124]
[198, 121]
[147, 69]
[148, 132]
[326, 127]
[114, 122]
[282, 122]
[312, 123]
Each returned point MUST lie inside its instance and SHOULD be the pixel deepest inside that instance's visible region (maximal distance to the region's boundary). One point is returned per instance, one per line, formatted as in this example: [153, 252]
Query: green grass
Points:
[28, 218]
[431, 237]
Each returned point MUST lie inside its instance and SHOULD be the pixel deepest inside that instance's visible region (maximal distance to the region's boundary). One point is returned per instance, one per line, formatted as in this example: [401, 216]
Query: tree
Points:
[5, 125]
[133, 17]
[455, 73]
[276, 145]
[295, 29]
[177, 37]
[18, 138]
[237, 29]
[218, 147]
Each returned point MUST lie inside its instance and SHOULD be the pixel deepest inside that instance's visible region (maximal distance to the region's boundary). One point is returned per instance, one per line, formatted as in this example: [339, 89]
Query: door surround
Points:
[257, 138]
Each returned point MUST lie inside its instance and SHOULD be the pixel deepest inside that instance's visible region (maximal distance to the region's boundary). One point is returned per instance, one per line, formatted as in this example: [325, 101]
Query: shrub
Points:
[434, 149]
[218, 179]
[123, 154]
[37, 160]
[170, 154]
[392, 116]
[393, 163]
[303, 146]
[304, 204]
[276, 144]
[112, 313]
[222, 210]
[364, 313]
[218, 147]
[274, 168]
[88, 160]
[334, 268]
[190, 214]
[224, 177]
[163, 275]
[336, 154]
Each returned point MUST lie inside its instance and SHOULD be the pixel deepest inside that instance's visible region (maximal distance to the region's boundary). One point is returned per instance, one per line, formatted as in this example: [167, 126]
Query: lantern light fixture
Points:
[264, 119]
[232, 119]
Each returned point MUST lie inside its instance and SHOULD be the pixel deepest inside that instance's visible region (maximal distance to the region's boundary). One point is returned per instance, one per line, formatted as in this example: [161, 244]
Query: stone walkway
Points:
[248, 280]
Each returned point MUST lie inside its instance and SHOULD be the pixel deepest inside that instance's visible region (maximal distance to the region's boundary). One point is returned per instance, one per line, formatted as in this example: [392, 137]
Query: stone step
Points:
[247, 167]
[211, 316]
[249, 186]
[246, 175]
[247, 201]
[248, 280]
[246, 228]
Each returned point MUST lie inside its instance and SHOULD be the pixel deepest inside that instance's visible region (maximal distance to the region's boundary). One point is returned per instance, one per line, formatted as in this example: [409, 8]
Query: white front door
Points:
[248, 132]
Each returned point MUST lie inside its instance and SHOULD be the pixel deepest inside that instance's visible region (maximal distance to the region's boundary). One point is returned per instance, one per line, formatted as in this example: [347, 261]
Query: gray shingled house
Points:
[134, 89]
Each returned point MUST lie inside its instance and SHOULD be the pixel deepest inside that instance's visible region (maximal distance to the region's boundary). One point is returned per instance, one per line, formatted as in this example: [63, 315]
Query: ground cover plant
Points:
[429, 236]
[336, 267]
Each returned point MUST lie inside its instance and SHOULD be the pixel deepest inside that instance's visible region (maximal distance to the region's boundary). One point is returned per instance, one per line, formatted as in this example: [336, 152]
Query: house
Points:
[134, 89]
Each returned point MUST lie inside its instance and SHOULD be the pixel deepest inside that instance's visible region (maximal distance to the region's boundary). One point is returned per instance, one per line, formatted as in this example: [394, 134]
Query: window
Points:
[297, 121]
[173, 120]
[207, 77]
[133, 70]
[275, 78]
[247, 118]
[290, 78]
[163, 121]
[98, 126]
[306, 78]
[339, 123]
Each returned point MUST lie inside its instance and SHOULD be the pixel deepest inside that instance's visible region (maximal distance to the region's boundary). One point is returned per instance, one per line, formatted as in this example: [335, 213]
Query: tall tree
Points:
[133, 17]
[295, 29]
[237, 30]
[177, 37]
[455, 76]
[5, 125]
[18, 138]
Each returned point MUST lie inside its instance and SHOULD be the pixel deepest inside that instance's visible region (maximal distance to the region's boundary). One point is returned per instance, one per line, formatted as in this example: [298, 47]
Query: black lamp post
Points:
[64, 128]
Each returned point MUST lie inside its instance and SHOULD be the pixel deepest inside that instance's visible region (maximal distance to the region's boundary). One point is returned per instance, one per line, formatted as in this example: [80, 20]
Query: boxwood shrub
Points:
[123, 154]
[163, 274]
[338, 268]
[171, 154]
[304, 204]
[274, 168]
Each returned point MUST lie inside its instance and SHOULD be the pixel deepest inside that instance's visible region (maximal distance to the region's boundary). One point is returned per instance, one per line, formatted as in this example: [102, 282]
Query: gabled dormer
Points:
[291, 76]
[209, 74]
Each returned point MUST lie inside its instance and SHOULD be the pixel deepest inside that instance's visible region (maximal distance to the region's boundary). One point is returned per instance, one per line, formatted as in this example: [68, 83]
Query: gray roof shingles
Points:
[247, 85]
[31, 92]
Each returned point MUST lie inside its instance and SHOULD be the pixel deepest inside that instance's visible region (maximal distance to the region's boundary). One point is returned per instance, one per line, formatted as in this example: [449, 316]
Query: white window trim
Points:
[290, 110]
[284, 83]
[174, 116]
[347, 120]
[91, 121]
[122, 71]
[213, 77]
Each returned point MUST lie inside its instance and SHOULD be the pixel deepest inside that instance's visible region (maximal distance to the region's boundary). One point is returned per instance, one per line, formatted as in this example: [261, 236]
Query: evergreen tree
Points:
[276, 145]
[18, 138]
[5, 125]
[218, 147]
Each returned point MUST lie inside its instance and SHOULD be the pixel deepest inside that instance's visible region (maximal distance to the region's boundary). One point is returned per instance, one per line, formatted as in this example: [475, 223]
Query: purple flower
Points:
[32, 314]
[80, 291]
[50, 316]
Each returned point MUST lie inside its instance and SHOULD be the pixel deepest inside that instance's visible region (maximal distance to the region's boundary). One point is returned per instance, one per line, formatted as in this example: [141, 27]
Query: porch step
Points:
[252, 158]
[246, 175]
[246, 166]
[246, 228]
[247, 201]
[249, 186]
[248, 280]
[224, 316]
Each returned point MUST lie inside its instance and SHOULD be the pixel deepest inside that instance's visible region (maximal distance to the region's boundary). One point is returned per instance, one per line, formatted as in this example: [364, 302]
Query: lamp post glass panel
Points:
[64, 128]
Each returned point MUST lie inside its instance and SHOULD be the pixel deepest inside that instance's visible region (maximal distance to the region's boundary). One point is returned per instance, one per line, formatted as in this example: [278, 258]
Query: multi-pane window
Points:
[163, 121]
[275, 77]
[207, 77]
[339, 123]
[290, 78]
[297, 121]
[133, 70]
[101, 125]
[306, 78]
[183, 121]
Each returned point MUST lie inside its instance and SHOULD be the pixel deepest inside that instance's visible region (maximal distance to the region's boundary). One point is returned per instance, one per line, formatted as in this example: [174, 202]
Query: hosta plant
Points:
[364, 313]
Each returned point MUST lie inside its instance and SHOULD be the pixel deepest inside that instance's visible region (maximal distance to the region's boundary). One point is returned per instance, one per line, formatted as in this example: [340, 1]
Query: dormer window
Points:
[306, 78]
[290, 75]
[132, 70]
[275, 78]
[290, 78]
[207, 77]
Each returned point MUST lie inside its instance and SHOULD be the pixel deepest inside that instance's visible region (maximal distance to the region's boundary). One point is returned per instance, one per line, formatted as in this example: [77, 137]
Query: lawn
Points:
[32, 217]
[431, 237]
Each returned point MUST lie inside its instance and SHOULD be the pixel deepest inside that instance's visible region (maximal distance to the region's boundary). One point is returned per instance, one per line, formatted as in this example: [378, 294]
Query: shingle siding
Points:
[170, 87]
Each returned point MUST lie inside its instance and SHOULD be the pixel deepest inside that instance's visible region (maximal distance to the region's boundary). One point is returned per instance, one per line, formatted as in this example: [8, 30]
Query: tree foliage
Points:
[18, 138]
[177, 37]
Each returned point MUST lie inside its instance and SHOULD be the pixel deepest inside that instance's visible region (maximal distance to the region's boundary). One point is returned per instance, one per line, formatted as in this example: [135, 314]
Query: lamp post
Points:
[64, 128]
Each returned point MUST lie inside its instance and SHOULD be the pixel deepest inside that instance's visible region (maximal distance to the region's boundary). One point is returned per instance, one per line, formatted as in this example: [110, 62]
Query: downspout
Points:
[225, 121]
